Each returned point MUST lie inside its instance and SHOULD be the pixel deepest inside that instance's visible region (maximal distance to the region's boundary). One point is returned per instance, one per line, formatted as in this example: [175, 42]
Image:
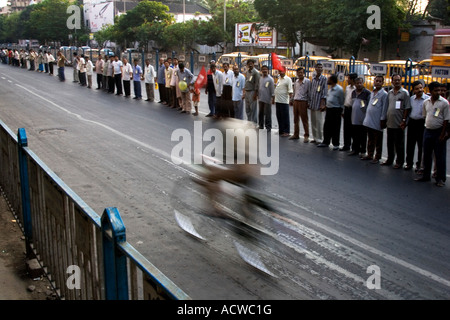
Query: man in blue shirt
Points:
[335, 104]
[137, 76]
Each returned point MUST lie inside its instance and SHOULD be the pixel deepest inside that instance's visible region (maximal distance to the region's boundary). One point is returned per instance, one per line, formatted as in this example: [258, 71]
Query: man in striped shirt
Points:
[319, 89]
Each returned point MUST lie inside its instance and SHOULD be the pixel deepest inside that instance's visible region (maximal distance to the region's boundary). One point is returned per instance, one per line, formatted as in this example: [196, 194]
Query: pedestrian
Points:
[174, 89]
[251, 92]
[45, 61]
[105, 79]
[399, 106]
[238, 93]
[40, 61]
[161, 81]
[137, 77]
[196, 100]
[126, 77]
[375, 121]
[168, 72]
[317, 103]
[51, 62]
[149, 80]
[266, 97]
[185, 75]
[348, 112]
[89, 71]
[32, 59]
[360, 97]
[99, 64]
[111, 80]
[226, 107]
[61, 64]
[118, 74]
[333, 115]
[213, 89]
[437, 115]
[416, 127]
[300, 105]
[76, 77]
[283, 95]
[82, 70]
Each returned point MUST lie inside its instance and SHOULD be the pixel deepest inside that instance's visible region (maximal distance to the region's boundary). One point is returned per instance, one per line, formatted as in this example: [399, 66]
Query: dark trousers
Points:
[162, 92]
[50, 68]
[212, 100]
[414, 136]
[332, 126]
[61, 74]
[99, 81]
[359, 137]
[431, 144]
[127, 87]
[374, 143]
[118, 82]
[396, 145]
[111, 84]
[347, 127]
[265, 115]
[169, 96]
[82, 77]
[137, 89]
[226, 107]
[282, 113]
[46, 67]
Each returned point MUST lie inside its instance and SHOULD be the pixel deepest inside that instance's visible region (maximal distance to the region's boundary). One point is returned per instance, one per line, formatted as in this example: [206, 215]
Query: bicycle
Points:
[245, 217]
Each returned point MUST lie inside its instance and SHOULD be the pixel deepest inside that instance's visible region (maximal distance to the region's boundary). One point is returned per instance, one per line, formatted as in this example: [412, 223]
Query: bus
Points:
[440, 54]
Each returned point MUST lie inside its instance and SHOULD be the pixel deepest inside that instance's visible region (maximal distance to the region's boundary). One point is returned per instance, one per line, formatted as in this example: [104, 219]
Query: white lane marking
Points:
[315, 223]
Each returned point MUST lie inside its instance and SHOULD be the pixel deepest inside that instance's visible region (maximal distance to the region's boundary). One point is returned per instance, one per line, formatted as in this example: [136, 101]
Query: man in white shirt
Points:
[226, 108]
[127, 75]
[347, 115]
[51, 60]
[149, 80]
[82, 70]
[117, 67]
[283, 94]
[416, 127]
[238, 93]
[437, 115]
[89, 71]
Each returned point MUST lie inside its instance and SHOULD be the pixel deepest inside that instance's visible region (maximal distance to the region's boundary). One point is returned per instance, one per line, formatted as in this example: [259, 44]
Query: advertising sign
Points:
[255, 34]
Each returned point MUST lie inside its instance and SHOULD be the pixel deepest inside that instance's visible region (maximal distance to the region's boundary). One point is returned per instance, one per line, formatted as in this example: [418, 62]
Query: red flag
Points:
[201, 79]
[276, 62]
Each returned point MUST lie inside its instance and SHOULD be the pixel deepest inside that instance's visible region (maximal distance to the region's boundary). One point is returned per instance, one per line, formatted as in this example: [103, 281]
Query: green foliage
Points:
[341, 24]
[45, 21]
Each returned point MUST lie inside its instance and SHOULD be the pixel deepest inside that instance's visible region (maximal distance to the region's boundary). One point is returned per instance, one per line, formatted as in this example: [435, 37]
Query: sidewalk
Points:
[15, 284]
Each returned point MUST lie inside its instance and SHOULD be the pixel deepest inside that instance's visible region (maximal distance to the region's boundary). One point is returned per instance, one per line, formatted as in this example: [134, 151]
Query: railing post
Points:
[25, 189]
[352, 63]
[115, 262]
[408, 73]
[307, 65]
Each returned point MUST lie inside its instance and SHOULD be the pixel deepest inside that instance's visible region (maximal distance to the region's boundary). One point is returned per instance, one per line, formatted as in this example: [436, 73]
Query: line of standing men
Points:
[366, 114]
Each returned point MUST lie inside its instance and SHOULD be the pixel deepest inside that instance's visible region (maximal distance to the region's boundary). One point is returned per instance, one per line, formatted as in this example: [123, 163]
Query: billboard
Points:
[255, 34]
[99, 14]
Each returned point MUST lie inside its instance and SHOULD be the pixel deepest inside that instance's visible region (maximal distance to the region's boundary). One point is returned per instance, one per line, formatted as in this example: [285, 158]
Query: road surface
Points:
[346, 223]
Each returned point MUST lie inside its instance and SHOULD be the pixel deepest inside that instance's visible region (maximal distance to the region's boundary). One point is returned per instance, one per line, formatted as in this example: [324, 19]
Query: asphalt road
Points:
[343, 219]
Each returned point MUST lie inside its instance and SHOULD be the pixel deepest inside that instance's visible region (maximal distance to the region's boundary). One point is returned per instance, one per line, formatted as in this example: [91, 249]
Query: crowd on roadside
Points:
[320, 104]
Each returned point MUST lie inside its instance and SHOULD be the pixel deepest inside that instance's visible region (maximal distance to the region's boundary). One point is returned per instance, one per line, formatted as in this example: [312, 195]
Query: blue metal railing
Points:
[62, 231]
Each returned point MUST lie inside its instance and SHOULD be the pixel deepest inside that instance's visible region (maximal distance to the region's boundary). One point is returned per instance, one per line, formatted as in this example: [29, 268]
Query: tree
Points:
[341, 24]
[144, 22]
